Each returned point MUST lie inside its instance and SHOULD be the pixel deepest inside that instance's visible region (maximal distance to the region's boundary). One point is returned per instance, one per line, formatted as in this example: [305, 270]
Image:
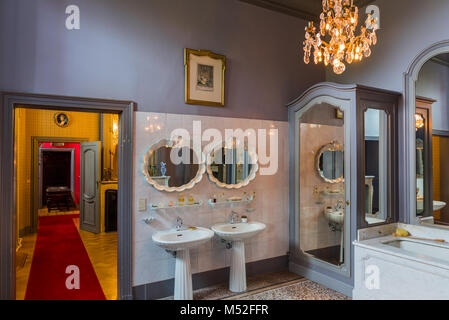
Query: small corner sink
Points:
[180, 240]
[238, 231]
[235, 234]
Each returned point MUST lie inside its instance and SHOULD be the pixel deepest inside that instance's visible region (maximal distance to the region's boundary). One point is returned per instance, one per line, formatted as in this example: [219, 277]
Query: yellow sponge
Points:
[401, 233]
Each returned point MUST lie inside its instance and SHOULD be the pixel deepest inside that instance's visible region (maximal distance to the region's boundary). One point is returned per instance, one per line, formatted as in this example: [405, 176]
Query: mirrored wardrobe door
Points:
[323, 181]
[376, 147]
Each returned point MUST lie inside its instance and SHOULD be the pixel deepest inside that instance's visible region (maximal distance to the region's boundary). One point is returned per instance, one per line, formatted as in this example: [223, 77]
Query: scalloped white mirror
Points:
[232, 166]
[329, 162]
[164, 175]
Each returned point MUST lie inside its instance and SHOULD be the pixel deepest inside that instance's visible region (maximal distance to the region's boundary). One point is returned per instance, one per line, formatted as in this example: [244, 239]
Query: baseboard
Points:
[162, 289]
[25, 231]
[322, 279]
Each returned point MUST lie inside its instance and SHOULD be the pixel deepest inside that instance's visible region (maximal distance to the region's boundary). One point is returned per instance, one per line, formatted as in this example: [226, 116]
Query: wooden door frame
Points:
[9, 101]
[34, 192]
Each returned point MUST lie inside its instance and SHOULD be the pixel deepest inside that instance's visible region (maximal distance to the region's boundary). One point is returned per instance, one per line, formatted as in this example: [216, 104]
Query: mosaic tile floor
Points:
[299, 290]
[271, 286]
[258, 282]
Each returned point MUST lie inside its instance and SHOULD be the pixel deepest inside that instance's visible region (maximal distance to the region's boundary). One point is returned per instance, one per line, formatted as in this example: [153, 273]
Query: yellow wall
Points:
[40, 123]
[110, 147]
[436, 173]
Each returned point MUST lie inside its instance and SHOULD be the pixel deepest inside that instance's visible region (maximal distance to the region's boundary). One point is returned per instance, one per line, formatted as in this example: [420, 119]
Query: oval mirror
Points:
[161, 172]
[232, 166]
[330, 162]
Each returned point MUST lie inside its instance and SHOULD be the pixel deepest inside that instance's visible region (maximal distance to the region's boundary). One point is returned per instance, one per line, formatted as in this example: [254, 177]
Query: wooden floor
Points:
[23, 264]
[44, 212]
[102, 251]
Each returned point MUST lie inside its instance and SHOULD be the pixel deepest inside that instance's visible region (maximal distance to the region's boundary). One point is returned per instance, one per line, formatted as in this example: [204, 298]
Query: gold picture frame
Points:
[61, 119]
[202, 85]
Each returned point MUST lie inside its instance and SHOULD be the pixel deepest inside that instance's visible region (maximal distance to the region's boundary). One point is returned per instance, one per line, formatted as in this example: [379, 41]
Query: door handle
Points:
[348, 203]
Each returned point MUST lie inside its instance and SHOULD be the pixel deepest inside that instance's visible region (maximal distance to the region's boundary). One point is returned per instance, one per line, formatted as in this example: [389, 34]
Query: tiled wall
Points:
[40, 123]
[315, 232]
[151, 263]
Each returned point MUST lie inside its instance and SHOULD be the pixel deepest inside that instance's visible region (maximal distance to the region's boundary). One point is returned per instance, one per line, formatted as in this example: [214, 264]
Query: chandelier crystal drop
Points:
[339, 21]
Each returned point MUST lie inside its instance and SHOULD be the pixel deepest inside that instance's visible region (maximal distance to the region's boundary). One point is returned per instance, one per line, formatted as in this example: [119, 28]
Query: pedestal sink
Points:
[336, 217]
[236, 234]
[180, 242]
[337, 220]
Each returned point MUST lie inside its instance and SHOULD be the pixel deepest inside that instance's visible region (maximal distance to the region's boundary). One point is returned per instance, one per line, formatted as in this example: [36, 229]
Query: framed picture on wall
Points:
[204, 77]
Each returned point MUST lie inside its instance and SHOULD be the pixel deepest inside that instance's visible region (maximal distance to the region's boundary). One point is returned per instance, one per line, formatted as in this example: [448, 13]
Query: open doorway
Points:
[23, 181]
[53, 160]
[65, 178]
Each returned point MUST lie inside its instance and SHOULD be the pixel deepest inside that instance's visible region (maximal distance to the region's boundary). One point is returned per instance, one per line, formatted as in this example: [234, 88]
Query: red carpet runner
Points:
[59, 245]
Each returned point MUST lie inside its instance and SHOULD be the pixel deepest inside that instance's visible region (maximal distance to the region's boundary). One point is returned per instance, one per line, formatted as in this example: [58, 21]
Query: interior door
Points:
[89, 186]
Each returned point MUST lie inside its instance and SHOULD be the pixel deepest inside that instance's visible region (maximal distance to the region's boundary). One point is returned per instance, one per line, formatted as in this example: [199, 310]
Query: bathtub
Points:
[389, 268]
[426, 249]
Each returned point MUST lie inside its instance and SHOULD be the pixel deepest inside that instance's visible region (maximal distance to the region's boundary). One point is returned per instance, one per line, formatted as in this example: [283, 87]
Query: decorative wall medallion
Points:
[204, 77]
[61, 119]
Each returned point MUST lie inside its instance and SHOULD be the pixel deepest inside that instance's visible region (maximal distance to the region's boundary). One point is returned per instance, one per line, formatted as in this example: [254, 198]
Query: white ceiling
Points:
[304, 9]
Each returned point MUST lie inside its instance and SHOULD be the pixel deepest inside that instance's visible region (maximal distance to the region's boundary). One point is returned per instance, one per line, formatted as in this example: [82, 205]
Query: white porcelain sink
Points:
[337, 217]
[235, 234]
[180, 242]
[438, 205]
[238, 231]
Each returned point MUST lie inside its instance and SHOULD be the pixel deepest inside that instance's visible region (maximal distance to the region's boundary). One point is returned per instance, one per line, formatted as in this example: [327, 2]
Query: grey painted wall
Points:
[133, 49]
[433, 82]
[407, 28]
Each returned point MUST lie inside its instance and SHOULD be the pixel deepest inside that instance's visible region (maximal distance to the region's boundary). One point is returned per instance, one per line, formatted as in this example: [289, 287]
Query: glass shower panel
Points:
[322, 183]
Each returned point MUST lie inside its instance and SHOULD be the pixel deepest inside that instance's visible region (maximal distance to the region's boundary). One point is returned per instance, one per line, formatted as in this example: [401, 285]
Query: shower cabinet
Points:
[343, 176]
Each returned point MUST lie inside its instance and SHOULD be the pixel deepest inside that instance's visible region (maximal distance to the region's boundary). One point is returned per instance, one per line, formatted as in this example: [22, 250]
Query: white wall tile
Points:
[151, 263]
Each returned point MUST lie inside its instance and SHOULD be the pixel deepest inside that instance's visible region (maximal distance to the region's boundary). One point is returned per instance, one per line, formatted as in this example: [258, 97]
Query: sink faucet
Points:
[179, 224]
[234, 217]
[339, 206]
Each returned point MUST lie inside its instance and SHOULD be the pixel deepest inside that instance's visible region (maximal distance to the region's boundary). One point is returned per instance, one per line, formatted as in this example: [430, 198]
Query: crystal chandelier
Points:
[339, 20]
[419, 121]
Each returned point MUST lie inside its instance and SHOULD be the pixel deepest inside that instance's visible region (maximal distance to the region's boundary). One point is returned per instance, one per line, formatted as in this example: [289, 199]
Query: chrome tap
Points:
[339, 206]
[234, 217]
[179, 224]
